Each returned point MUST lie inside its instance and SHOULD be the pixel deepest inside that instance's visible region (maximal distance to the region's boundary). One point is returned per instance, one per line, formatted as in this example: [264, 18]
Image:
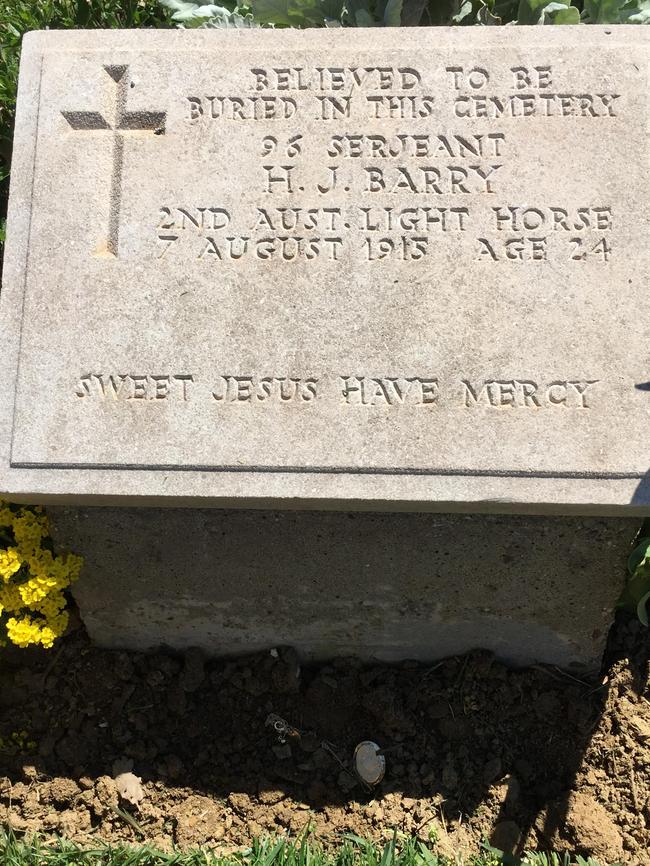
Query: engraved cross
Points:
[122, 121]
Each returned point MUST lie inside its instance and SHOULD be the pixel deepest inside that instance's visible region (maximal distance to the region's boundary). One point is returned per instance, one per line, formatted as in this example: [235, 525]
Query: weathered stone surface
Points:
[344, 268]
[389, 586]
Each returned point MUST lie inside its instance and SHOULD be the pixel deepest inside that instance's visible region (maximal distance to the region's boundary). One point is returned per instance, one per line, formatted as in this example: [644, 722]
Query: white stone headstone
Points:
[384, 268]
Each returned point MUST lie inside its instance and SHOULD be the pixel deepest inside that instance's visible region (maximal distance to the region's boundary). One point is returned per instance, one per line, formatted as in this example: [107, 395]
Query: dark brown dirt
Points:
[527, 758]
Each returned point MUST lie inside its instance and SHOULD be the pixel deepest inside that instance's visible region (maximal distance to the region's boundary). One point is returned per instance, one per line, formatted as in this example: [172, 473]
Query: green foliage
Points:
[543, 12]
[636, 595]
[287, 13]
[538, 859]
[19, 16]
[480, 12]
[352, 851]
[190, 15]
[492, 12]
[388, 13]
[617, 11]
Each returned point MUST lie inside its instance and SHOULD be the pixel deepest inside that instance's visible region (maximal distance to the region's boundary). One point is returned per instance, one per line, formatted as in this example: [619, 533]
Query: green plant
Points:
[616, 11]
[392, 13]
[636, 595]
[287, 13]
[19, 16]
[351, 851]
[539, 858]
[558, 860]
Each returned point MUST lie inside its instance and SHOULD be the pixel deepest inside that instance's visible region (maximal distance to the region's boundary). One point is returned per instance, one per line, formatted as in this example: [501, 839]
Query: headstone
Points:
[366, 267]
[369, 269]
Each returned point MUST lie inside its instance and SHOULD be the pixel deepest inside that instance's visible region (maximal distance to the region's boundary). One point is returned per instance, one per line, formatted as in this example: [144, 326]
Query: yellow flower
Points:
[73, 564]
[29, 529]
[23, 632]
[10, 598]
[6, 515]
[51, 605]
[26, 630]
[36, 589]
[10, 563]
[37, 603]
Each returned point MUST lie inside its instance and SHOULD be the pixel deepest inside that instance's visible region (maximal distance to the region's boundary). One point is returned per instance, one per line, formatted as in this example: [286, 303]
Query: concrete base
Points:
[386, 586]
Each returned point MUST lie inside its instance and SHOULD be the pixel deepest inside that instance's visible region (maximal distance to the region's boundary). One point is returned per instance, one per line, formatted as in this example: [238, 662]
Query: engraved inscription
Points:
[122, 121]
[134, 386]
[380, 265]
[344, 390]
[522, 393]
[466, 167]
[354, 204]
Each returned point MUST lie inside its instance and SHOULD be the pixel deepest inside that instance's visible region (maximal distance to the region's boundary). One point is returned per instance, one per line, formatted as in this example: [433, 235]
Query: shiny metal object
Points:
[369, 764]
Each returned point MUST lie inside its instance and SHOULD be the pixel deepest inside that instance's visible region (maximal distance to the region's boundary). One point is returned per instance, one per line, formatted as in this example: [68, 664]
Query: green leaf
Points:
[602, 11]
[352, 837]
[310, 13]
[231, 19]
[506, 10]
[642, 608]
[477, 12]
[636, 591]
[617, 11]
[543, 12]
[272, 12]
[332, 12]
[466, 11]
[358, 14]
[636, 594]
[180, 8]
[84, 13]
[194, 15]
[363, 18]
[635, 12]
[486, 17]
[393, 13]
[640, 554]
[289, 13]
[558, 13]
[530, 10]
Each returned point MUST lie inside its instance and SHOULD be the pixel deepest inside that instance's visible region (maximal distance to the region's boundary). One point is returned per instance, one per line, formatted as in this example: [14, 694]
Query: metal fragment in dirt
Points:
[369, 764]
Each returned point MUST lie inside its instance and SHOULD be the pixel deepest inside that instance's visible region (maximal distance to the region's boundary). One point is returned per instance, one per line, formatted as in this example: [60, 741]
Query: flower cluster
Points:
[32, 578]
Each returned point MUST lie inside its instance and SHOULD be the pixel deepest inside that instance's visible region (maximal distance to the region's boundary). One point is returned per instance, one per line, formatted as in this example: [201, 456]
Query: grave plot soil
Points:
[527, 758]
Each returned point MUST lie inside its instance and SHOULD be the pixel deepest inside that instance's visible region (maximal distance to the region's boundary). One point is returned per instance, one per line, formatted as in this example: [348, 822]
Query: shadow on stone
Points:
[642, 492]
[371, 585]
